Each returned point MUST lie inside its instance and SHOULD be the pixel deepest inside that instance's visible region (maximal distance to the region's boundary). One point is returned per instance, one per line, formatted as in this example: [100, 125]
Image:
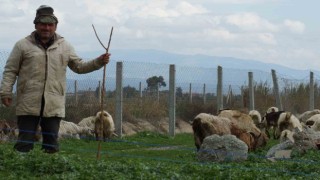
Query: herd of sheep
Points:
[252, 128]
[100, 126]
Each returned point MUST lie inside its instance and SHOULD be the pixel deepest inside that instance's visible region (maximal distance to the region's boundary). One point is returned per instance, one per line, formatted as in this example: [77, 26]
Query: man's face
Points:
[45, 30]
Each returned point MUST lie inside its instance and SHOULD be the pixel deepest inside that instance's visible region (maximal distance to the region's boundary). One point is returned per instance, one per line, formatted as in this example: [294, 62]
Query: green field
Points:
[147, 155]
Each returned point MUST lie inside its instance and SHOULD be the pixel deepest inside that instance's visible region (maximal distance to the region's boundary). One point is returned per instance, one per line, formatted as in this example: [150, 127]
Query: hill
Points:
[204, 61]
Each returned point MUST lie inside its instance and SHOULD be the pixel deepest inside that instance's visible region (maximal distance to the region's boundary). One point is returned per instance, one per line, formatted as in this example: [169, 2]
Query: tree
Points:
[155, 83]
[179, 92]
[129, 91]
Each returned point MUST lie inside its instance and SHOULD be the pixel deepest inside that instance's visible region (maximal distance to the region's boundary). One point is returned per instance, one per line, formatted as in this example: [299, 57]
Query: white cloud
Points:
[250, 22]
[221, 34]
[238, 28]
[237, 1]
[188, 9]
[294, 26]
[267, 38]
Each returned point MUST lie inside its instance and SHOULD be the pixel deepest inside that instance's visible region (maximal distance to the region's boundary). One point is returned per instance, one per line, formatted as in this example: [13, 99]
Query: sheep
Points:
[307, 115]
[227, 122]
[243, 122]
[272, 109]
[88, 122]
[286, 135]
[104, 126]
[255, 116]
[270, 120]
[287, 121]
[72, 130]
[204, 125]
[4, 127]
[4, 131]
[314, 122]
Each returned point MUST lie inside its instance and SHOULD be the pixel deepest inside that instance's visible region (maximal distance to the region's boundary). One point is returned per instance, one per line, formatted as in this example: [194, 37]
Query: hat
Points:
[45, 15]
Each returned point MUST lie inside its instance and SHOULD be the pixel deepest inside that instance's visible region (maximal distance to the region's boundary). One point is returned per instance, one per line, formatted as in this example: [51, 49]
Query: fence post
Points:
[190, 93]
[158, 93]
[204, 94]
[119, 96]
[172, 100]
[311, 93]
[219, 90]
[251, 91]
[76, 92]
[140, 89]
[276, 90]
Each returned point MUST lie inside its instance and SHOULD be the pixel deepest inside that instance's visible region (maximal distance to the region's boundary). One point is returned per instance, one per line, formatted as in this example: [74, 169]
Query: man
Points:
[38, 63]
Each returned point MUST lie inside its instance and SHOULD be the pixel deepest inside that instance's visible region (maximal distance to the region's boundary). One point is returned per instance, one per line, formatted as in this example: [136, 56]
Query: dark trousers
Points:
[27, 133]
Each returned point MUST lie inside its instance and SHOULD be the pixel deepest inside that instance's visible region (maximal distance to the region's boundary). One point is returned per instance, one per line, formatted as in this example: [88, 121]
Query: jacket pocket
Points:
[64, 59]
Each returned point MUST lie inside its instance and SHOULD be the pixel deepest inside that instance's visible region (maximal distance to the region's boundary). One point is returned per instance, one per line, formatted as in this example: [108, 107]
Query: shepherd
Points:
[38, 62]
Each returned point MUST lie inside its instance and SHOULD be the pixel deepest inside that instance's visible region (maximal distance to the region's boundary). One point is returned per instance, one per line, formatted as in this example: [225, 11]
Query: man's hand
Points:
[104, 58]
[6, 101]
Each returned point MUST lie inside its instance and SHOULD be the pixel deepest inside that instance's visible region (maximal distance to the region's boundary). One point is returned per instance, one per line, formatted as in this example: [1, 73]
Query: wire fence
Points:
[195, 86]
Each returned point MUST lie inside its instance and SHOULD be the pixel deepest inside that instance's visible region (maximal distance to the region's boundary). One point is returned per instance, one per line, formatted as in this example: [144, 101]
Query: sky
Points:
[284, 32]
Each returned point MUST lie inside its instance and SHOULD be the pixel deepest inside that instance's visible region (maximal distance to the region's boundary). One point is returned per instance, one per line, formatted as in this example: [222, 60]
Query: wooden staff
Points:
[103, 90]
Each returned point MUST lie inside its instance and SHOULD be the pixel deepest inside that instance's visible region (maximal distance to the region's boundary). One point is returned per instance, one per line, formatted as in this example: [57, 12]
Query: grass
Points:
[147, 155]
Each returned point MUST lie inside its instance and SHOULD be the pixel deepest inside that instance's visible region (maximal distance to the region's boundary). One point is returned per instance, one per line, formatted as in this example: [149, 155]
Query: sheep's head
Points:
[287, 135]
[288, 121]
[260, 140]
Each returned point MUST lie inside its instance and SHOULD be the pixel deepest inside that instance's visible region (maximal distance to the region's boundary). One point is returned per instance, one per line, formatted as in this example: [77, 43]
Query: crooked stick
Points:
[102, 91]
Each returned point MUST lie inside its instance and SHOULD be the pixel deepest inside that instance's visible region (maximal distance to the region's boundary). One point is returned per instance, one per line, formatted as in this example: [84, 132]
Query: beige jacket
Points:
[42, 72]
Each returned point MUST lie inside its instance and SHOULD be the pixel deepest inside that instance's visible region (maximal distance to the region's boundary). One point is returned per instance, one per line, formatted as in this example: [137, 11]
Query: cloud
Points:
[250, 22]
[236, 1]
[267, 38]
[294, 26]
[238, 28]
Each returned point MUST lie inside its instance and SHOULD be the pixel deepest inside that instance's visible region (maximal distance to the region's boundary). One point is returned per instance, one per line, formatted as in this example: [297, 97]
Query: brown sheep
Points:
[244, 126]
[204, 125]
[228, 122]
[4, 131]
[4, 127]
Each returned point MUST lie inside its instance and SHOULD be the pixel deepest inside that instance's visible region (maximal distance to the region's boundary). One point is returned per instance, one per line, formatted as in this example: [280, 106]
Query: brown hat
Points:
[45, 15]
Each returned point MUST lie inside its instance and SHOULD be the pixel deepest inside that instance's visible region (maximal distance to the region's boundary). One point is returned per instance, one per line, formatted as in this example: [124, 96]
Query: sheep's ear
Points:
[252, 134]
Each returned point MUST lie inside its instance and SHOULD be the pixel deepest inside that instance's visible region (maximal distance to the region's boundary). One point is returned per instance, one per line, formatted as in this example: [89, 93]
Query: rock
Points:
[217, 148]
[303, 141]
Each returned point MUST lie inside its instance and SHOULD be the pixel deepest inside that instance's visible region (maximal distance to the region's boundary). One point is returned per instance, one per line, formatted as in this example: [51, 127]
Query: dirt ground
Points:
[161, 126]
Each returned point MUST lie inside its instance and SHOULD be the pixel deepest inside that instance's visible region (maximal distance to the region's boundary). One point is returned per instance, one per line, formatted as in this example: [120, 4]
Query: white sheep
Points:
[286, 135]
[307, 115]
[104, 126]
[88, 122]
[72, 130]
[272, 109]
[314, 121]
[256, 116]
[287, 121]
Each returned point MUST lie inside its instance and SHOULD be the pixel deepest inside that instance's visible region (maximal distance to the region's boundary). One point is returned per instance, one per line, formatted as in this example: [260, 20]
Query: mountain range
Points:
[140, 64]
[199, 60]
